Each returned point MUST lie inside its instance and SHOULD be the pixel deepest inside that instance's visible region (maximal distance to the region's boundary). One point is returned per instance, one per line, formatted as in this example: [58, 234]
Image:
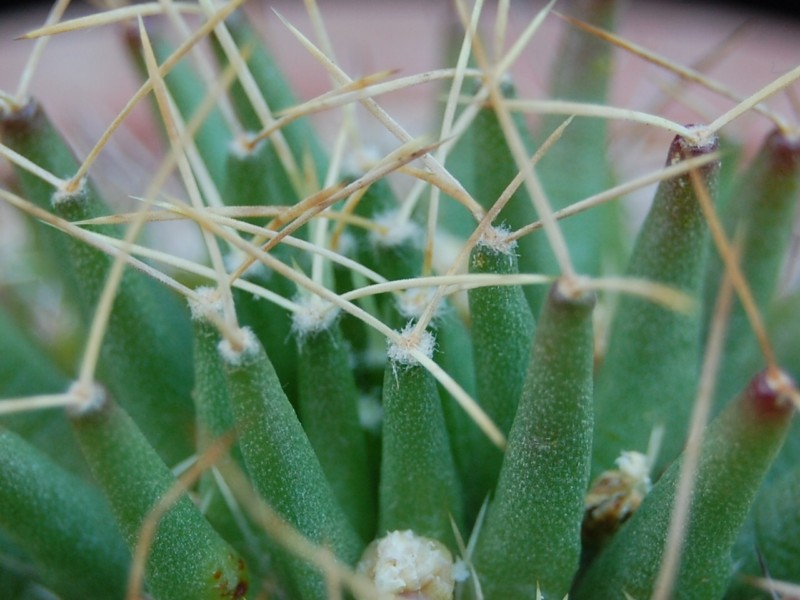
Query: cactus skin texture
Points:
[359, 388]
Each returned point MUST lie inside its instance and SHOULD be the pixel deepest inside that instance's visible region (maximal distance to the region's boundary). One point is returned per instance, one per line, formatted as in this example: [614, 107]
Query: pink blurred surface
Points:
[85, 72]
[85, 77]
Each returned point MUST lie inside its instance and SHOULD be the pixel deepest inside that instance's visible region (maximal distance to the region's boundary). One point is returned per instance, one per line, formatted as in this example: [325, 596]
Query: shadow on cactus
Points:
[441, 372]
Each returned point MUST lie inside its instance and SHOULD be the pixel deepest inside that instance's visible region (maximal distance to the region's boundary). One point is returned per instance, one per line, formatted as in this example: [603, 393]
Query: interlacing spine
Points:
[440, 369]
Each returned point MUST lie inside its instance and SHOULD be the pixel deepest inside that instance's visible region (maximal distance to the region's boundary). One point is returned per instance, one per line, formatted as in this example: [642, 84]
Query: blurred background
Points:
[774, 7]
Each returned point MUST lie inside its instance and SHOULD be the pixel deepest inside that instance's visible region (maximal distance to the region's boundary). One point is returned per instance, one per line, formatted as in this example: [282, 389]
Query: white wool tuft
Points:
[408, 565]
[206, 303]
[635, 466]
[412, 302]
[400, 353]
[315, 314]
[397, 231]
[60, 196]
[704, 141]
[240, 146]
[248, 345]
[497, 238]
[88, 399]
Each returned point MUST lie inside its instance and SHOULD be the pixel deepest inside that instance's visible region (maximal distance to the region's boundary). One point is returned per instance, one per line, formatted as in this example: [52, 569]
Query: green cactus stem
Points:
[649, 375]
[187, 558]
[281, 461]
[543, 478]
[26, 370]
[275, 91]
[147, 328]
[760, 218]
[370, 395]
[328, 408]
[62, 522]
[419, 489]
[737, 449]
[582, 72]
[502, 333]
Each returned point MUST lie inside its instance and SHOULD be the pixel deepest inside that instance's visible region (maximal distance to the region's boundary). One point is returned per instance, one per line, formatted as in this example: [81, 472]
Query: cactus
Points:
[445, 371]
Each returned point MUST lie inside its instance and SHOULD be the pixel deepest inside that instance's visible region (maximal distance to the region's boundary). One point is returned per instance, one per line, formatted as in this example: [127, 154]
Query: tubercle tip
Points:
[773, 393]
[89, 399]
[573, 290]
[702, 142]
[236, 351]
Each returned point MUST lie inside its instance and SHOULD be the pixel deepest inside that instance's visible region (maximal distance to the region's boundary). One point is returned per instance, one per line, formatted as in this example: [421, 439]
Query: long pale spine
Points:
[254, 177]
[495, 169]
[188, 91]
[272, 85]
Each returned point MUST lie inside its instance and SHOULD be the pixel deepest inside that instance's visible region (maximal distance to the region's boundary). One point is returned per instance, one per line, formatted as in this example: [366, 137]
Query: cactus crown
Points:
[439, 371]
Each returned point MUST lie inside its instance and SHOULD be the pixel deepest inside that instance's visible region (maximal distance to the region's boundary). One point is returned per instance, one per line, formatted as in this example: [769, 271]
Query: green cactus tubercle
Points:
[448, 371]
